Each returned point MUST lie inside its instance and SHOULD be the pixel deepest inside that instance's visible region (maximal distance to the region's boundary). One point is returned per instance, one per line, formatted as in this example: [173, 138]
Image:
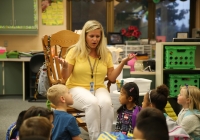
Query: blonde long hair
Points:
[82, 50]
[193, 93]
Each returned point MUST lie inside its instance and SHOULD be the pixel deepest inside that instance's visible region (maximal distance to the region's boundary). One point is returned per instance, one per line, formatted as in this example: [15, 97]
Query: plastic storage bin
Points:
[3, 55]
[144, 85]
[175, 81]
[180, 57]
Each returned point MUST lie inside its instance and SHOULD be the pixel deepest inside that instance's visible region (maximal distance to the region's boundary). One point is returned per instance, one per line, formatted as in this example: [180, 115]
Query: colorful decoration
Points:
[131, 33]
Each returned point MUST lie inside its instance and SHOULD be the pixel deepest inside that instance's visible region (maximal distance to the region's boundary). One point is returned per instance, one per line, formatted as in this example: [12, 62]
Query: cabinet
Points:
[11, 78]
[18, 17]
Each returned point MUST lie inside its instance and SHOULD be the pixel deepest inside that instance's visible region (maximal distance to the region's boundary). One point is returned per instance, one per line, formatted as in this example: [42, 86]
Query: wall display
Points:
[52, 12]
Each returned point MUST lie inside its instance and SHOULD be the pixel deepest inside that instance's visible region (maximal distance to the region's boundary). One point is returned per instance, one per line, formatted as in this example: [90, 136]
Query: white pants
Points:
[99, 113]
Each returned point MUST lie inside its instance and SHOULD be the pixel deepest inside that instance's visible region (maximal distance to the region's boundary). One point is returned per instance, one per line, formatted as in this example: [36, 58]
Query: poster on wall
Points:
[52, 12]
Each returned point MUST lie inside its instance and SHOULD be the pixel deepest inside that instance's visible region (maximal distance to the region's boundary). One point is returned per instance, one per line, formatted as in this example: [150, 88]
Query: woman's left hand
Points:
[129, 57]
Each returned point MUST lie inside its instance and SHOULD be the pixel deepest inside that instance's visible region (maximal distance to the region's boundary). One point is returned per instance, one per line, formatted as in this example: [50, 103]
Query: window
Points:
[172, 17]
[163, 19]
[128, 13]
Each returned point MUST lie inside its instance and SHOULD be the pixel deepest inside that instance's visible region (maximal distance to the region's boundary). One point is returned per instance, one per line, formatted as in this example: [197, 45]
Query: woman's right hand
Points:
[62, 62]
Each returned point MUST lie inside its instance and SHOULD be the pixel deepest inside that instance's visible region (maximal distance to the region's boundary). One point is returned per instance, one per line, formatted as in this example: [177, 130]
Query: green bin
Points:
[175, 81]
[180, 57]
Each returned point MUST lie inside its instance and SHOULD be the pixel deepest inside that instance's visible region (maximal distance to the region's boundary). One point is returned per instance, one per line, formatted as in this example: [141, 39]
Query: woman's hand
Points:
[129, 57]
[62, 62]
[66, 70]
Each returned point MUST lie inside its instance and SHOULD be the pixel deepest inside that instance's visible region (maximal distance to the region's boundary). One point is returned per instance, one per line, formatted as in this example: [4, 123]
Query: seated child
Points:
[13, 130]
[39, 111]
[189, 116]
[151, 125]
[129, 99]
[157, 98]
[35, 126]
[65, 126]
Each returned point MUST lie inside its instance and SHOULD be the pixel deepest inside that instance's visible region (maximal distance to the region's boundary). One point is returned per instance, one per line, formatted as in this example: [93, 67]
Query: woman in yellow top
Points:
[85, 67]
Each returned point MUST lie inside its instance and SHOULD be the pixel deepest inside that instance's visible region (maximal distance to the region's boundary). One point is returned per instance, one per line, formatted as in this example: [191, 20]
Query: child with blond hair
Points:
[189, 116]
[65, 126]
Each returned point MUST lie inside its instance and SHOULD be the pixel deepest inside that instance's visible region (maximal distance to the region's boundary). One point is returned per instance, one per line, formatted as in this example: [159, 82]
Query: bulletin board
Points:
[52, 12]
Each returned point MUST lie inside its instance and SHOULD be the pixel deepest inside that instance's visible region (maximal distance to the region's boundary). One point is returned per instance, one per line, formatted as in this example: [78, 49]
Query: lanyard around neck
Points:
[91, 67]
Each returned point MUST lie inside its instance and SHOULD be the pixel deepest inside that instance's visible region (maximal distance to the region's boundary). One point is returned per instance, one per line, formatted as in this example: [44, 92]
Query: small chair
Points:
[56, 45]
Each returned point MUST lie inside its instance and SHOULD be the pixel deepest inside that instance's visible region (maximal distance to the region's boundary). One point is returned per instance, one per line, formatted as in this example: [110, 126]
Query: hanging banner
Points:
[52, 12]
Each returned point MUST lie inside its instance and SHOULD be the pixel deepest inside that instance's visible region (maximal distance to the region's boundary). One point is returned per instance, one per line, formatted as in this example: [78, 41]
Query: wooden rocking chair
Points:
[56, 45]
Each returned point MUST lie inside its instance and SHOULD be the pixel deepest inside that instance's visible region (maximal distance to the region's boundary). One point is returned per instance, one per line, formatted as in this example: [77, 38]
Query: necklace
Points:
[91, 67]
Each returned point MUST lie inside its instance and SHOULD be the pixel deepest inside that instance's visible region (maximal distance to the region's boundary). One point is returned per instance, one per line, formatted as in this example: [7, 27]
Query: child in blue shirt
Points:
[65, 126]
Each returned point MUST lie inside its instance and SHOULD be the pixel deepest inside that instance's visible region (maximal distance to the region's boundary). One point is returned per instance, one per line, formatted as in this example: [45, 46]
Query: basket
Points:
[175, 81]
[180, 57]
